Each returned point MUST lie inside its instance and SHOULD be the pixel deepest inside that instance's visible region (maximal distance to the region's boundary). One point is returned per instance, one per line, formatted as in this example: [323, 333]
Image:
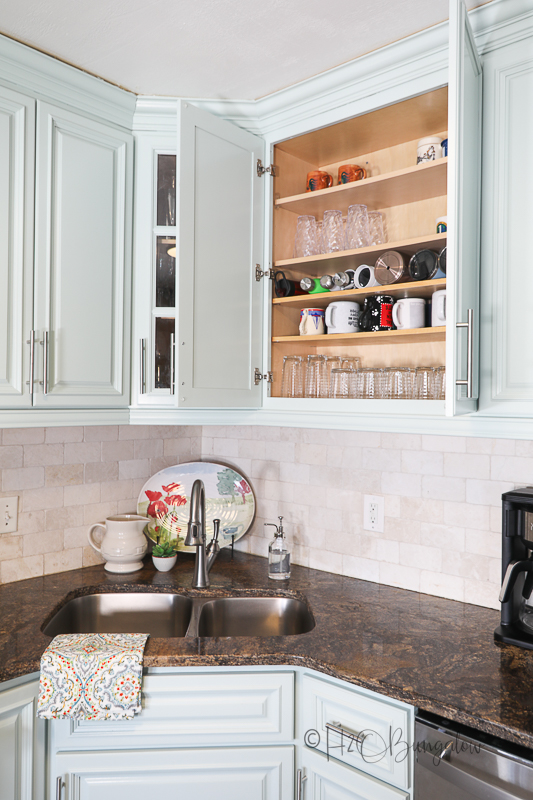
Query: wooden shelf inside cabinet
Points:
[382, 191]
[323, 299]
[346, 258]
[374, 337]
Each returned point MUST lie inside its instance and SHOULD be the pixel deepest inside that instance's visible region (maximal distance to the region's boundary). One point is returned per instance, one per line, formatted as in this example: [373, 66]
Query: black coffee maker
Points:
[517, 569]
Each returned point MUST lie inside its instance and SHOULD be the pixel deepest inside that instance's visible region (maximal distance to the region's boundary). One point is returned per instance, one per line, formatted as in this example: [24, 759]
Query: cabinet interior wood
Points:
[411, 197]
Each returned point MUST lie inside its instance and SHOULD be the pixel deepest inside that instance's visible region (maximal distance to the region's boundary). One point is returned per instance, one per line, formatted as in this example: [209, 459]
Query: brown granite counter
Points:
[436, 654]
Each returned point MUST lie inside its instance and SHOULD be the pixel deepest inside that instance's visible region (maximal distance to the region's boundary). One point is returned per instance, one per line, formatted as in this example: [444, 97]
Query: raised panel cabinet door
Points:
[328, 780]
[82, 260]
[22, 745]
[254, 773]
[464, 209]
[17, 145]
[219, 241]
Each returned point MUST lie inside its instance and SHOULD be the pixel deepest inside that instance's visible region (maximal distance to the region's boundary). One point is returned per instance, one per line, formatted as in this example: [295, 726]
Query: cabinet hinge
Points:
[258, 377]
[259, 273]
[272, 170]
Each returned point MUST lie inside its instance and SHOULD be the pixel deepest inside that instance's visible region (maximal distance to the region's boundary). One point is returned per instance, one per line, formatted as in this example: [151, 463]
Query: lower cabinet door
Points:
[22, 744]
[329, 780]
[244, 773]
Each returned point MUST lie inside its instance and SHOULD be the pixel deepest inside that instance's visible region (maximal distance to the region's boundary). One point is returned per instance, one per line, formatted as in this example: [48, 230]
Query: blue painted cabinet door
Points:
[22, 744]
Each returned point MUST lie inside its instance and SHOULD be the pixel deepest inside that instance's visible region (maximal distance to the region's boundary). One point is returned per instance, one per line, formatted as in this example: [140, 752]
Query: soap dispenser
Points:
[279, 558]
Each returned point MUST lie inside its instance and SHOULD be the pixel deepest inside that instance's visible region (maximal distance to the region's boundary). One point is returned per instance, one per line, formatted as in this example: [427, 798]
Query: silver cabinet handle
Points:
[59, 786]
[469, 382]
[143, 366]
[31, 342]
[45, 343]
[300, 778]
[338, 729]
[172, 364]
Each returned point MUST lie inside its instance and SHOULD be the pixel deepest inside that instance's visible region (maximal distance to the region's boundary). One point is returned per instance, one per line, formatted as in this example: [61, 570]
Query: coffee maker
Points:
[517, 569]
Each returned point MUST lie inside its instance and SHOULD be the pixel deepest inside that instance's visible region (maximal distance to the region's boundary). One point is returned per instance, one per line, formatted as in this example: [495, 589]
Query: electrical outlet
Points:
[374, 513]
[8, 514]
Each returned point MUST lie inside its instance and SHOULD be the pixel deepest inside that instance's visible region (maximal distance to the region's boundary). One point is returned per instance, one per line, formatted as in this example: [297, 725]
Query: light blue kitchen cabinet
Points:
[323, 779]
[17, 154]
[82, 253]
[22, 742]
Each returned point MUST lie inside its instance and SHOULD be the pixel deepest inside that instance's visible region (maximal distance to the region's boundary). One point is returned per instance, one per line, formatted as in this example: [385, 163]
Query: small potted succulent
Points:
[164, 556]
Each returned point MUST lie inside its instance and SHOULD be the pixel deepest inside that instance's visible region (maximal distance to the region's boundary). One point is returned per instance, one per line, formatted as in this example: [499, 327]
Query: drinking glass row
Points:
[343, 377]
[363, 228]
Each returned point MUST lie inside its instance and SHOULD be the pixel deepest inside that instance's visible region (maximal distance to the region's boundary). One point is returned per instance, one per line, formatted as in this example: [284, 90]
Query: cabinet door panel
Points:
[219, 242]
[327, 780]
[227, 774]
[17, 143]
[21, 744]
[82, 255]
[464, 193]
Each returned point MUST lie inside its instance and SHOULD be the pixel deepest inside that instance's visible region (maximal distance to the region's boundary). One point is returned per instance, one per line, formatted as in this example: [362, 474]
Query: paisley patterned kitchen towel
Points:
[92, 676]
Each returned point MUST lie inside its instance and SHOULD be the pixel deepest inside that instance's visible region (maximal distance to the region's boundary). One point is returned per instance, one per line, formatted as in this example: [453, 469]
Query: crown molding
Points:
[501, 22]
[44, 77]
[155, 114]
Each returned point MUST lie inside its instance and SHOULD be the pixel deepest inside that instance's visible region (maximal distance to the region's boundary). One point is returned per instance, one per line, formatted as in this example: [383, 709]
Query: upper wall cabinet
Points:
[64, 336]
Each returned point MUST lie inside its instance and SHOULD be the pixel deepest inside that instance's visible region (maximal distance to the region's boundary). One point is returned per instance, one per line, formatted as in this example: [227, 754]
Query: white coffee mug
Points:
[312, 322]
[364, 277]
[438, 308]
[409, 312]
[343, 317]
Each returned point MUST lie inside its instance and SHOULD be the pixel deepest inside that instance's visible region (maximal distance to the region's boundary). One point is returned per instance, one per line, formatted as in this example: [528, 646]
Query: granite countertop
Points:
[436, 654]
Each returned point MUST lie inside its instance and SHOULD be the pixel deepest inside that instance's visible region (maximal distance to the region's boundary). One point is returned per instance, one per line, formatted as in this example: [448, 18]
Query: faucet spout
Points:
[205, 556]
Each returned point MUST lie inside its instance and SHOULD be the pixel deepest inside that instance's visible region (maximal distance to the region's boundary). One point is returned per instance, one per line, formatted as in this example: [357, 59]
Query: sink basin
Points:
[160, 615]
[254, 616]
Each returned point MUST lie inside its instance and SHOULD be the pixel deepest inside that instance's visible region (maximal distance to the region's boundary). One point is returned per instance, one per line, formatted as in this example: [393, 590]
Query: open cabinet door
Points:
[219, 242]
[464, 193]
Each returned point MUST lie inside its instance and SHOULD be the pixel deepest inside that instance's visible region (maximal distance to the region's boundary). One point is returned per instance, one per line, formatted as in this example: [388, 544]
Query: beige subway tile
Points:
[487, 493]
[422, 462]
[443, 536]
[282, 492]
[63, 475]
[66, 517]
[263, 433]
[444, 444]
[82, 494]
[147, 448]
[495, 571]
[280, 451]
[76, 537]
[163, 462]
[63, 561]
[482, 593]
[467, 465]
[402, 484]
[196, 447]
[39, 499]
[36, 455]
[10, 546]
[393, 505]
[300, 555]
[358, 438]
[23, 436]
[135, 431]
[436, 583]
[82, 452]
[362, 480]
[440, 488]
[127, 506]
[98, 512]
[495, 521]
[268, 470]
[118, 451]
[483, 543]
[339, 542]
[512, 468]
[226, 448]
[37, 543]
[494, 447]
[423, 510]
[30, 521]
[325, 561]
[207, 446]
[401, 441]
[379, 459]
[63, 434]
[176, 431]
[23, 478]
[467, 515]
[420, 556]
[11, 456]
[294, 473]
[315, 454]
[400, 576]
[19, 569]
[250, 448]
[335, 454]
[116, 490]
[91, 557]
[230, 431]
[100, 433]
[98, 471]
[466, 565]
[401, 530]
[365, 569]
[178, 447]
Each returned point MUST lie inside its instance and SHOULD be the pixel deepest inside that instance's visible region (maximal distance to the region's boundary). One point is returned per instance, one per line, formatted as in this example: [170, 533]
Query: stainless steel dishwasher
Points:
[452, 761]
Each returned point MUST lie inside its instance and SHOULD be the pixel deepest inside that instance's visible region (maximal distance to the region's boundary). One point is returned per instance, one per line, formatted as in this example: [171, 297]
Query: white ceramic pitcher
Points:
[123, 544]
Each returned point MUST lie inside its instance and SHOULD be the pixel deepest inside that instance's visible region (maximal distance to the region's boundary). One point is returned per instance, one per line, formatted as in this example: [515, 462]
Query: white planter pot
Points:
[164, 564]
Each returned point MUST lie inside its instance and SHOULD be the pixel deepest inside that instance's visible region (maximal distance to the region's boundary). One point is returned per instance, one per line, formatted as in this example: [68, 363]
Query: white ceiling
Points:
[238, 49]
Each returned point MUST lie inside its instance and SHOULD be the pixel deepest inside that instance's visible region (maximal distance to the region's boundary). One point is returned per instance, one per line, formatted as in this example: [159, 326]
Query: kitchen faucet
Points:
[205, 556]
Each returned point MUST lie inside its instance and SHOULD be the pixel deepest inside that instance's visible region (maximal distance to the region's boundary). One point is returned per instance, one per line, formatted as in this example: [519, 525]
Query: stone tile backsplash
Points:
[442, 497]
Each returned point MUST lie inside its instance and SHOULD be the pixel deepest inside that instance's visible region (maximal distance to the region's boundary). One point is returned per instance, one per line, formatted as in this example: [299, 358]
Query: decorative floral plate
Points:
[165, 498]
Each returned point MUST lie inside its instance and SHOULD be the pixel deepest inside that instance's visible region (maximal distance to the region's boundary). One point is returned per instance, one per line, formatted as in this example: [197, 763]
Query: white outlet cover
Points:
[374, 522]
[8, 514]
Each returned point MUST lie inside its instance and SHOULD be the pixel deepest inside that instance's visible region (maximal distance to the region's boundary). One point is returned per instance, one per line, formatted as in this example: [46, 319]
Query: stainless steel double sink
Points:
[176, 615]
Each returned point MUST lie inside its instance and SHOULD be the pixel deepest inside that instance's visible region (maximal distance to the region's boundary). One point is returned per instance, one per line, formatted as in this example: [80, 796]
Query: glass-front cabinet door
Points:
[155, 270]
